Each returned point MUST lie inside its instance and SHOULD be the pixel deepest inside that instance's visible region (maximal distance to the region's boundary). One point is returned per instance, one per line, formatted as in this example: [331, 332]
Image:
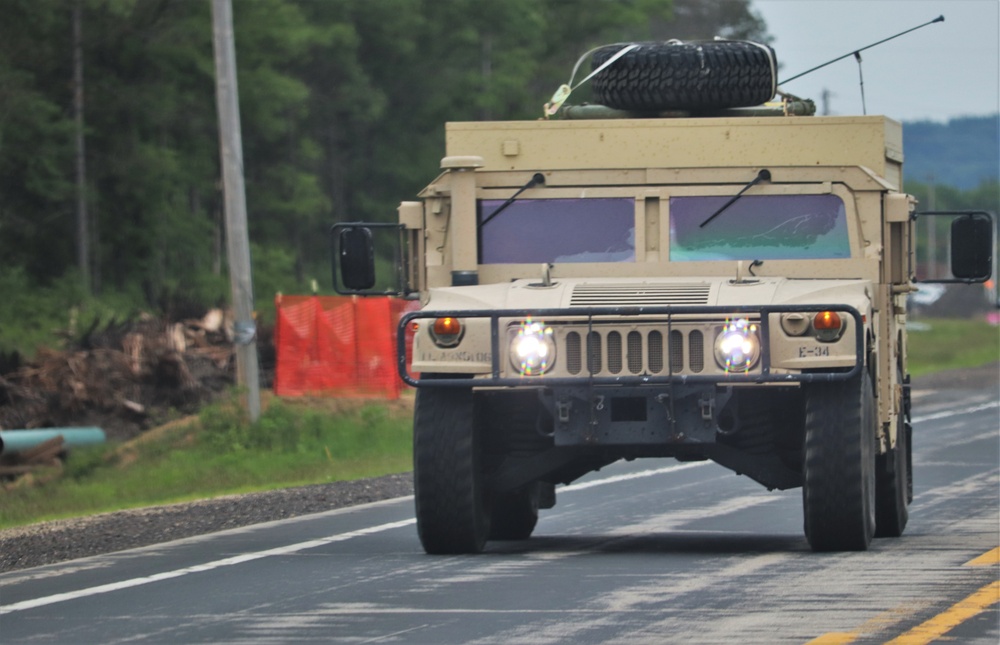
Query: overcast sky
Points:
[936, 73]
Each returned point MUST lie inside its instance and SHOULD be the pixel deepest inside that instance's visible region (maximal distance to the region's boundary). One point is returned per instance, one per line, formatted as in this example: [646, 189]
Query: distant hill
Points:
[961, 153]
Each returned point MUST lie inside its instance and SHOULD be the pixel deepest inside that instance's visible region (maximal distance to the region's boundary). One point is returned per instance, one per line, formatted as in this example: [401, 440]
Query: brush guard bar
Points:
[765, 375]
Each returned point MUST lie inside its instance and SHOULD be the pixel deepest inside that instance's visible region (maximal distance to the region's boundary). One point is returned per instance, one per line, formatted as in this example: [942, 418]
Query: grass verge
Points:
[293, 443]
[944, 344]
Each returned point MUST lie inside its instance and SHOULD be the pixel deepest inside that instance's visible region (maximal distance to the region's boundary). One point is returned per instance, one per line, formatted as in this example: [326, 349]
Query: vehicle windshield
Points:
[602, 229]
[759, 227]
[558, 231]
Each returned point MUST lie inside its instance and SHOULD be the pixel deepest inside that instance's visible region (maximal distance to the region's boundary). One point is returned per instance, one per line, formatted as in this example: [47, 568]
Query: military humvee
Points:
[727, 285]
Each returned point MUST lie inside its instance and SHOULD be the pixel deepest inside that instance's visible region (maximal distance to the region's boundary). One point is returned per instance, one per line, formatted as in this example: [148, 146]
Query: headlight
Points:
[737, 347]
[532, 350]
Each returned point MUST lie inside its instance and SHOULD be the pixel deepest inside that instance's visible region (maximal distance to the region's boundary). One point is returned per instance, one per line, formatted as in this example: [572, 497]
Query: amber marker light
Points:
[827, 320]
[446, 332]
[828, 325]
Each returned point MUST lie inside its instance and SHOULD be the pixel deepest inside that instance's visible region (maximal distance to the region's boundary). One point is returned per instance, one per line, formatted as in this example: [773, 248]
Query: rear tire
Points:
[893, 482]
[452, 509]
[515, 514]
[675, 75]
[838, 492]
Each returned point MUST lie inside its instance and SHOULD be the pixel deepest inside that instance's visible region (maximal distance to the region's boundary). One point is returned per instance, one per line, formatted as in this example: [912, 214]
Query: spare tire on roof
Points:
[690, 76]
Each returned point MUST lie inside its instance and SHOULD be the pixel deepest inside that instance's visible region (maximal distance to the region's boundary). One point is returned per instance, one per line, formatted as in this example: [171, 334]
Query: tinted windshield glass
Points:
[558, 230]
[759, 227]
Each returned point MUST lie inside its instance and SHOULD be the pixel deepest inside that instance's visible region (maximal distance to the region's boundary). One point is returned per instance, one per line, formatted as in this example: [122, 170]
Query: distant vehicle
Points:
[672, 274]
[927, 295]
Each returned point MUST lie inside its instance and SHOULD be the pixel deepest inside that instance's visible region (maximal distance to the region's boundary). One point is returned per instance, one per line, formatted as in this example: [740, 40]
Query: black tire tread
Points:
[515, 514]
[452, 517]
[892, 487]
[839, 465]
[685, 76]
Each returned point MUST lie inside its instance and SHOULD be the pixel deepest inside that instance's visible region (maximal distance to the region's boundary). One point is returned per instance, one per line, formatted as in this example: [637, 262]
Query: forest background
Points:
[110, 190]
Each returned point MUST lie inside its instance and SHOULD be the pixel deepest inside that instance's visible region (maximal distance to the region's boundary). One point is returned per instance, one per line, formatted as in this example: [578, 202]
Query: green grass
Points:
[952, 344]
[220, 453]
[298, 442]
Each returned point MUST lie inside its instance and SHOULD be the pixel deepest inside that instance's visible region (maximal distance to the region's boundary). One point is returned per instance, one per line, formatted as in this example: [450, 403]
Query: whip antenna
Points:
[861, 79]
[856, 53]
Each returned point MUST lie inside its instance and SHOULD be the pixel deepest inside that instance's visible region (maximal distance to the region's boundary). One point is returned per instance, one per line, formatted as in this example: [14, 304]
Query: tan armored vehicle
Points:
[598, 287]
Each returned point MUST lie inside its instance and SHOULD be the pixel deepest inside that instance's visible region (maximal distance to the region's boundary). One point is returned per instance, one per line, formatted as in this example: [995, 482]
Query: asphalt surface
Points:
[646, 552]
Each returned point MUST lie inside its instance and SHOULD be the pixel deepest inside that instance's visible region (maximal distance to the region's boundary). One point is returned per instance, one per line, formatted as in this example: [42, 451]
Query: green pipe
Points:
[21, 440]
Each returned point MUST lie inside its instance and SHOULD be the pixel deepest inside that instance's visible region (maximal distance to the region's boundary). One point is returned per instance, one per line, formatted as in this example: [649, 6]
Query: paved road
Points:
[648, 552]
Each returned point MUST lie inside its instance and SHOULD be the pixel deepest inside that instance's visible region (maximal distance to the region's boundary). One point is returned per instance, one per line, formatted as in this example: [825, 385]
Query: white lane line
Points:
[951, 413]
[208, 566]
[293, 548]
[99, 561]
[638, 475]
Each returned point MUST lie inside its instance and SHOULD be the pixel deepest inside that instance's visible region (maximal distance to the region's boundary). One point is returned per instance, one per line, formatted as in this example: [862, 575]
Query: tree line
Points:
[961, 153]
[109, 171]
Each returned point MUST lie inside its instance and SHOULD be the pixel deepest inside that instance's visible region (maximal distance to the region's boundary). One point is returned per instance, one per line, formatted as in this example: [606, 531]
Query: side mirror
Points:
[972, 247]
[353, 249]
[355, 252]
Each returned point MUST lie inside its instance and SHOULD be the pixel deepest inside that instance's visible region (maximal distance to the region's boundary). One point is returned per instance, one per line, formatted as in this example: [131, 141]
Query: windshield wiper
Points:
[763, 175]
[537, 178]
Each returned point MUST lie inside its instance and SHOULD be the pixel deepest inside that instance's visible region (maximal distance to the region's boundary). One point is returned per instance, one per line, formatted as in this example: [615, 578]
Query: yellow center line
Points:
[951, 618]
[986, 559]
[874, 625]
[933, 628]
[835, 638]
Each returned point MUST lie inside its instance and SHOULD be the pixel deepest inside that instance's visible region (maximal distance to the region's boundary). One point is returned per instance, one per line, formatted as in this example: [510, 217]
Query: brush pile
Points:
[123, 377]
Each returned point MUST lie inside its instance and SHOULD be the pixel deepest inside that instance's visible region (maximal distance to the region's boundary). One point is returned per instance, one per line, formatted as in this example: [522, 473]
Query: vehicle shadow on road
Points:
[694, 543]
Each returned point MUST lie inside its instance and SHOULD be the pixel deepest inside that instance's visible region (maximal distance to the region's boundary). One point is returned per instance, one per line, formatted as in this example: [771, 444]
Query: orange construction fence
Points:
[338, 345]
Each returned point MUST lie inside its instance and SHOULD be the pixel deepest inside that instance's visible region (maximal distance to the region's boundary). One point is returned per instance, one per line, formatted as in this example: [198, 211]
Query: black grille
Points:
[573, 355]
[696, 351]
[594, 352]
[676, 351]
[637, 353]
[655, 352]
[615, 352]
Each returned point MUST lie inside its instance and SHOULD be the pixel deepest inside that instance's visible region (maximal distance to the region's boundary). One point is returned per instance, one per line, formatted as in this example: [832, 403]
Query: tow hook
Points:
[664, 400]
[562, 409]
[707, 407]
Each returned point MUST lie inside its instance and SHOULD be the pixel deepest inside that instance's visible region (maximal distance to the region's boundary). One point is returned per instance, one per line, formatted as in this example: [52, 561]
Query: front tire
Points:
[452, 509]
[838, 492]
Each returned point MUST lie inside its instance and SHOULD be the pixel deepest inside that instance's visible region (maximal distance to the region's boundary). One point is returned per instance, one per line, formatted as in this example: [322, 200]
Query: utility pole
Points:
[237, 237]
[932, 252]
[82, 230]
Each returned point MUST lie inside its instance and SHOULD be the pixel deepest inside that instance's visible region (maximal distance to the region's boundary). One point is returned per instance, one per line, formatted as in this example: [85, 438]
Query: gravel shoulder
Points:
[984, 376]
[61, 540]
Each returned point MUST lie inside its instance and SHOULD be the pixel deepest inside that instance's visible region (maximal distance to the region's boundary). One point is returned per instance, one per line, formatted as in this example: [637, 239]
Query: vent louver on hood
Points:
[651, 295]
